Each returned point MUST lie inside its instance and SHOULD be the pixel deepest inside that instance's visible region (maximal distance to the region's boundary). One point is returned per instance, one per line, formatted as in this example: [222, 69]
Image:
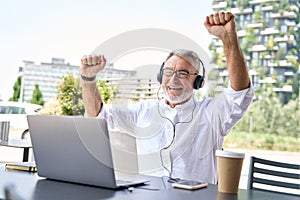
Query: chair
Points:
[274, 176]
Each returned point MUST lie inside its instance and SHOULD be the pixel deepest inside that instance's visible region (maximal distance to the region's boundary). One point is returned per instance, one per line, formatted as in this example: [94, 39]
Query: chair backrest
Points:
[274, 176]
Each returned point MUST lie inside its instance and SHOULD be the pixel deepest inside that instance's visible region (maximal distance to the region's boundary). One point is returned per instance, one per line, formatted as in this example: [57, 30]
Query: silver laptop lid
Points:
[72, 148]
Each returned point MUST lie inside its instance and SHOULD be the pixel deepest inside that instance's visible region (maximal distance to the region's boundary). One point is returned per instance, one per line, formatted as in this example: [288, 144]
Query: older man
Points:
[185, 131]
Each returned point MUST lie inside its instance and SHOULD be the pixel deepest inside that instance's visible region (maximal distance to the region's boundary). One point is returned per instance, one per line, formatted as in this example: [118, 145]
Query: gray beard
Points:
[180, 99]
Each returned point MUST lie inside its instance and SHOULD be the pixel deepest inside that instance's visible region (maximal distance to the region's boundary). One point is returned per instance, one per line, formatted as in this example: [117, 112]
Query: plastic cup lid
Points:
[229, 154]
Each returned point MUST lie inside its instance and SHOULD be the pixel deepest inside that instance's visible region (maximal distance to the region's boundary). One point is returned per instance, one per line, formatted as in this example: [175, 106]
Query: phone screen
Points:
[189, 185]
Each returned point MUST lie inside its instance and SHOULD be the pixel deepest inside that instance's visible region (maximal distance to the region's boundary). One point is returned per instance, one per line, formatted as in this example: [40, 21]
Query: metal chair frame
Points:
[271, 182]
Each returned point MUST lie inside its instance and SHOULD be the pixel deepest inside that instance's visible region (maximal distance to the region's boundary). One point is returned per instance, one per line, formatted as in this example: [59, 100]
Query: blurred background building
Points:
[269, 34]
[268, 31]
[48, 75]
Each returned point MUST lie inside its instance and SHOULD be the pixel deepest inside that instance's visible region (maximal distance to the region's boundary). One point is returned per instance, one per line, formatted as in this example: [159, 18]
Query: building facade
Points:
[268, 31]
[48, 75]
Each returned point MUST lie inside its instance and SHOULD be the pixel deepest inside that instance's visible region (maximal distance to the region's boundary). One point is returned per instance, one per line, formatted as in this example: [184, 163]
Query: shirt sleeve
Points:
[101, 113]
[120, 117]
[229, 107]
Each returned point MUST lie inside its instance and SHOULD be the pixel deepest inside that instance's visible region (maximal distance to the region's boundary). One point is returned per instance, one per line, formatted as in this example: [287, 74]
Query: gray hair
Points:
[190, 56]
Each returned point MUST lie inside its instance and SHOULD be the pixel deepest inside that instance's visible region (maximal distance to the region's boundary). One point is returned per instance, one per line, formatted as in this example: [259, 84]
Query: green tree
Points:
[290, 119]
[17, 90]
[70, 95]
[37, 96]
[106, 92]
[265, 111]
[269, 115]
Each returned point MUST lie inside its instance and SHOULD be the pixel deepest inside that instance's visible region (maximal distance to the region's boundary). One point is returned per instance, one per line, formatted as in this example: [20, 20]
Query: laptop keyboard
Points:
[122, 182]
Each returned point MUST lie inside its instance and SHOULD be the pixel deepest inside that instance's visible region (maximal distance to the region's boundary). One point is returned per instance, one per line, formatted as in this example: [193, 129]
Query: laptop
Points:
[76, 149]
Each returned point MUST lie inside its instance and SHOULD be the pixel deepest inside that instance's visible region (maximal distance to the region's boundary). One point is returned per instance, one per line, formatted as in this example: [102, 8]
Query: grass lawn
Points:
[262, 141]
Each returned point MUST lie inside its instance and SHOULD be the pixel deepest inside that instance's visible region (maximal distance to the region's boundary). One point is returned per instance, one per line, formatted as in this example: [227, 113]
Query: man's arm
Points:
[222, 25]
[90, 67]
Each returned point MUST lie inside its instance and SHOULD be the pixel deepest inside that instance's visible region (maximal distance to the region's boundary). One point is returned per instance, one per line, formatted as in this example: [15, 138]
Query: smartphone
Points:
[189, 185]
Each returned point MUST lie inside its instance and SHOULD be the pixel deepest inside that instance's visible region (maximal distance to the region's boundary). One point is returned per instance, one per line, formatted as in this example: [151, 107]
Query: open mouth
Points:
[174, 88]
[174, 91]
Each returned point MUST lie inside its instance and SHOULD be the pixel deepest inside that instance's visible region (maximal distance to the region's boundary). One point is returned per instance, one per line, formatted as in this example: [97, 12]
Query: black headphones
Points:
[198, 83]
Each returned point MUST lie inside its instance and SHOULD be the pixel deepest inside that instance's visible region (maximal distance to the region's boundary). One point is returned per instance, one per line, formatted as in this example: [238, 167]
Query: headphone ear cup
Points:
[160, 73]
[199, 81]
[159, 76]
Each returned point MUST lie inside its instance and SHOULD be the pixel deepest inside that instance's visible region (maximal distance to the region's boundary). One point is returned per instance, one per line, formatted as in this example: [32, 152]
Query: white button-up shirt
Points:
[183, 139]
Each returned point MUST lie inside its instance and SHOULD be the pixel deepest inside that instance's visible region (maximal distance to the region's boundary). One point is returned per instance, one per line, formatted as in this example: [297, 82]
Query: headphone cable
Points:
[173, 138]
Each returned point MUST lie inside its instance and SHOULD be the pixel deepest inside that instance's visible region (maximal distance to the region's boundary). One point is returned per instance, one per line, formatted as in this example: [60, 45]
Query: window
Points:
[11, 110]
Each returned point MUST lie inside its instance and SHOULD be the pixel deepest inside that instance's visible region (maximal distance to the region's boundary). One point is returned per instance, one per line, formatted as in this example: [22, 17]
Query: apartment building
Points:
[268, 31]
[48, 75]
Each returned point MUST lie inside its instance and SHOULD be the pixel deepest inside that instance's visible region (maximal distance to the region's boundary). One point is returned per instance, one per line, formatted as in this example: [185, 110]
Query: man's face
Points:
[178, 90]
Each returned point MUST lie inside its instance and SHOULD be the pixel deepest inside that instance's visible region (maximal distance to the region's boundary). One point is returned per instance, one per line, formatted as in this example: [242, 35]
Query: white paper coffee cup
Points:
[229, 166]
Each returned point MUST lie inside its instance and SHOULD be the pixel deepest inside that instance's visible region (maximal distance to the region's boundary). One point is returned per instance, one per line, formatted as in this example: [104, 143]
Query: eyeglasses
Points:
[179, 73]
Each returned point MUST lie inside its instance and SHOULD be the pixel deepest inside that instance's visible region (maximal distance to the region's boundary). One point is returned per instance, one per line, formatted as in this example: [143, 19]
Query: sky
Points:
[35, 30]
